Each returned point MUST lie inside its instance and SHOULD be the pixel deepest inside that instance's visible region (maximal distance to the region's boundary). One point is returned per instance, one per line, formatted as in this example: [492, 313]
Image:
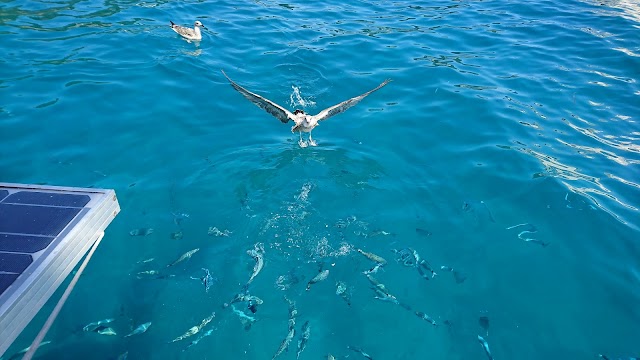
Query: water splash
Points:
[323, 249]
[296, 100]
[304, 192]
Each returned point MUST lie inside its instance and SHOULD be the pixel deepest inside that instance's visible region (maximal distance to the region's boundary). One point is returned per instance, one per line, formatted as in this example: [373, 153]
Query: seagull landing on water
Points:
[303, 122]
[188, 33]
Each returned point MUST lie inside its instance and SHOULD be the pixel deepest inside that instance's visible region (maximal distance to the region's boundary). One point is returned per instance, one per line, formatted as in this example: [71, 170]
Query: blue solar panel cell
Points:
[47, 198]
[44, 232]
[24, 243]
[6, 280]
[35, 220]
[14, 263]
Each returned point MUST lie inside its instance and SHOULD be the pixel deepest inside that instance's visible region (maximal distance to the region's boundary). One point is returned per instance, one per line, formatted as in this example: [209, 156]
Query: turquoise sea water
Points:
[499, 114]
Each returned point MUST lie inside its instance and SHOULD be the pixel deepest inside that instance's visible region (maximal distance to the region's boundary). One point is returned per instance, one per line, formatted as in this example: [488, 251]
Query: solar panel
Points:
[44, 232]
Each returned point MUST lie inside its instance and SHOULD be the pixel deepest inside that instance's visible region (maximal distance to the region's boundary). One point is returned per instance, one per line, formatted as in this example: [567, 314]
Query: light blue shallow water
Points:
[499, 113]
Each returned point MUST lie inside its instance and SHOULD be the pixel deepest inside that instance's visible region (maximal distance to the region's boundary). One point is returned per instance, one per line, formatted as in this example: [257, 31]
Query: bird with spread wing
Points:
[303, 122]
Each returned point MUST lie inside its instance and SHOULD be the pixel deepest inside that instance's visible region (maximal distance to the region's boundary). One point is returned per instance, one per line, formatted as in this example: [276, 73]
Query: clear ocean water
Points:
[500, 113]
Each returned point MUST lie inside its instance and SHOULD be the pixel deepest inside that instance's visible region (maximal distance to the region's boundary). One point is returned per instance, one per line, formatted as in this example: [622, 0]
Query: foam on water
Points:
[295, 99]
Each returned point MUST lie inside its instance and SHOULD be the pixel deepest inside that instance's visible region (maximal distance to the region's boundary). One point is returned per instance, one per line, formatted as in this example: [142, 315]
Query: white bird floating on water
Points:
[303, 122]
[188, 33]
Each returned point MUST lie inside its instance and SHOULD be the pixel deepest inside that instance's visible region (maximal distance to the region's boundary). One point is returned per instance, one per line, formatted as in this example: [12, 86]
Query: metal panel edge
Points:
[17, 186]
[43, 287]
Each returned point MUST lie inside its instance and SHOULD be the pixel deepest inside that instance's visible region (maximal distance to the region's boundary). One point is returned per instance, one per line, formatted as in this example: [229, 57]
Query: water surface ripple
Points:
[499, 114]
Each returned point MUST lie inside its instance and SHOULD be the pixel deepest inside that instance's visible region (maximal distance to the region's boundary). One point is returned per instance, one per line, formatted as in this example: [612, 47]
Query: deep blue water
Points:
[499, 113]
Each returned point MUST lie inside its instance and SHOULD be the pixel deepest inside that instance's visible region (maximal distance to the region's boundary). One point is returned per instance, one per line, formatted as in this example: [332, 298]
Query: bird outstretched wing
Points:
[336, 109]
[265, 104]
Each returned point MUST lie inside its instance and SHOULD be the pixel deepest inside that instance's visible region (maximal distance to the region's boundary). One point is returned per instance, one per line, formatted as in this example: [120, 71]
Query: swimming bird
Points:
[303, 122]
[188, 33]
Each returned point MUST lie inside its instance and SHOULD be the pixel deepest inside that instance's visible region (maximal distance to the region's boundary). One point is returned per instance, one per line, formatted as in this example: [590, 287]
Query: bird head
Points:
[198, 23]
[300, 115]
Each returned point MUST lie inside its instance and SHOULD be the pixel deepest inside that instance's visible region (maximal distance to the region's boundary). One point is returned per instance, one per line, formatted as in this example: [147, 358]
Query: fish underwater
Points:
[479, 210]
[140, 329]
[141, 232]
[385, 296]
[377, 285]
[103, 330]
[197, 340]
[23, 351]
[424, 265]
[379, 232]
[195, 329]
[258, 255]
[94, 325]
[293, 311]
[373, 257]
[426, 317]
[184, 256]
[360, 351]
[302, 343]
[245, 319]
[485, 346]
[342, 291]
[528, 229]
[624, 358]
[484, 323]
[458, 276]
[207, 279]
[405, 257]
[147, 274]
[382, 293]
[374, 269]
[321, 276]
[251, 300]
[214, 231]
[284, 282]
[285, 343]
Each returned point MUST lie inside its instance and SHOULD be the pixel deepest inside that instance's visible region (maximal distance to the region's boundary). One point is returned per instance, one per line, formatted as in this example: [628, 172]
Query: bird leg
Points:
[302, 143]
[311, 141]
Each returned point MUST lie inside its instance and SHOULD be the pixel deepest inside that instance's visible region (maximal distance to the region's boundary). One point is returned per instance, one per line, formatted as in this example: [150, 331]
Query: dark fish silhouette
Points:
[484, 323]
